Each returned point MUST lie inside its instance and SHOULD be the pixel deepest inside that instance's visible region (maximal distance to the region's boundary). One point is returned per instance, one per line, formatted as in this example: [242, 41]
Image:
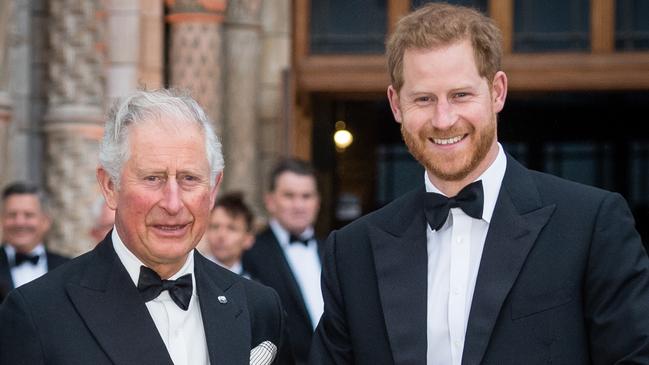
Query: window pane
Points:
[478, 4]
[632, 25]
[343, 26]
[587, 163]
[551, 25]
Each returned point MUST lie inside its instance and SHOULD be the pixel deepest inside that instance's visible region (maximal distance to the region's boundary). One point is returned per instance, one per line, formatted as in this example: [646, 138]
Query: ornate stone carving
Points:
[74, 117]
[195, 55]
[76, 52]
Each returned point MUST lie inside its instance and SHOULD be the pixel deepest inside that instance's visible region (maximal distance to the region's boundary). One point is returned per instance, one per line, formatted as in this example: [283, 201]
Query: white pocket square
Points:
[263, 354]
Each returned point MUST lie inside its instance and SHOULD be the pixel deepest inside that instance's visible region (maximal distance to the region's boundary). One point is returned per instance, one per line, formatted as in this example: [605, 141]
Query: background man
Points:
[104, 219]
[144, 295]
[487, 262]
[286, 256]
[25, 222]
[229, 233]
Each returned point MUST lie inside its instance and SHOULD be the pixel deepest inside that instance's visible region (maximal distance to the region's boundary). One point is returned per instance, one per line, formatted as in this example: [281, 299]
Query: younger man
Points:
[229, 233]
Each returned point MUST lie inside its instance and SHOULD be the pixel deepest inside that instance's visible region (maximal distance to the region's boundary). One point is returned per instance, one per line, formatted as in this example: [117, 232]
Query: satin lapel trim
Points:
[508, 242]
[401, 267]
[227, 325]
[113, 310]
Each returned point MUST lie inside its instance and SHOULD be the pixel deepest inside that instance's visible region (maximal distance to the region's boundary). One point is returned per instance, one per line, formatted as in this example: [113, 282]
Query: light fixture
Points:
[342, 137]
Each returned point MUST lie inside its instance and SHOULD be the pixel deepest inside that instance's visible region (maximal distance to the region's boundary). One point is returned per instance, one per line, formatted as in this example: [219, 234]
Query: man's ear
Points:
[215, 188]
[108, 187]
[499, 91]
[248, 241]
[393, 97]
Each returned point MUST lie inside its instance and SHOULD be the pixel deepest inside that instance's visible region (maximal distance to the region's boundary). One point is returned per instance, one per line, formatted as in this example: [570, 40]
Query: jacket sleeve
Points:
[616, 295]
[331, 342]
[19, 339]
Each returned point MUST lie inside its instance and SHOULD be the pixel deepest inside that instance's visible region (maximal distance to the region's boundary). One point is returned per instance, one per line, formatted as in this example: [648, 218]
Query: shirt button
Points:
[459, 240]
[457, 343]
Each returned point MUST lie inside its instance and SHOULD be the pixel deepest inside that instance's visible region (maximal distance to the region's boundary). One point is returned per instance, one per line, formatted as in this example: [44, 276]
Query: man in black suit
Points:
[144, 295]
[487, 262]
[286, 256]
[25, 222]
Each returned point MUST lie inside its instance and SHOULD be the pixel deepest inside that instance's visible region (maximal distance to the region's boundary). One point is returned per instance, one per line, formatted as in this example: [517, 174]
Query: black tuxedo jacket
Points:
[564, 279]
[6, 281]
[266, 262]
[88, 311]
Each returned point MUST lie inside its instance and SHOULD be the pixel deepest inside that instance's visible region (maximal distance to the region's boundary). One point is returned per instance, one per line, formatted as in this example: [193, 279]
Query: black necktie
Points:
[469, 199]
[150, 286]
[297, 239]
[21, 258]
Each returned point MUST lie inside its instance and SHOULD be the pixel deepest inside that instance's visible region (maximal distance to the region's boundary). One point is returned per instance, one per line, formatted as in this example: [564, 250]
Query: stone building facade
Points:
[63, 62]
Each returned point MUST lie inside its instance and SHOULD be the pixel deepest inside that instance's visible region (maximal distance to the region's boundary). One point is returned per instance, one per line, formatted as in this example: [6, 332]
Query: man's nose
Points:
[171, 199]
[444, 115]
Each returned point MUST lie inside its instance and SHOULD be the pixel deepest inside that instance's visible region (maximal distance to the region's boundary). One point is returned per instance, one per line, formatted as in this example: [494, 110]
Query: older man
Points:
[25, 222]
[144, 295]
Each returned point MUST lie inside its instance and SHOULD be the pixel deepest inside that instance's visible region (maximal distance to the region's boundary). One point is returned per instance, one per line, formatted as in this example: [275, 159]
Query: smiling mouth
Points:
[447, 141]
[170, 228]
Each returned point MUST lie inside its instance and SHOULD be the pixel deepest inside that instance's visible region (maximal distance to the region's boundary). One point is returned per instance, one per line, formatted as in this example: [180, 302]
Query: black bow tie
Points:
[150, 286]
[292, 239]
[469, 199]
[21, 258]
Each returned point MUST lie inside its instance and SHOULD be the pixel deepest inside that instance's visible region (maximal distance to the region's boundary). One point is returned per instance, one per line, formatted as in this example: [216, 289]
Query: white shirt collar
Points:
[237, 268]
[492, 179]
[283, 235]
[132, 263]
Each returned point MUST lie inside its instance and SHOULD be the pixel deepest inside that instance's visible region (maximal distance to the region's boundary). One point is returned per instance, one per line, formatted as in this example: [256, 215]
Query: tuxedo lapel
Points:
[226, 325]
[110, 305]
[518, 218]
[6, 280]
[398, 239]
[276, 256]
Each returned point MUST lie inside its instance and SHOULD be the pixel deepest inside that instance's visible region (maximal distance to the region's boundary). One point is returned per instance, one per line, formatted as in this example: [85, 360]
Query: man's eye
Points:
[422, 99]
[461, 95]
[151, 178]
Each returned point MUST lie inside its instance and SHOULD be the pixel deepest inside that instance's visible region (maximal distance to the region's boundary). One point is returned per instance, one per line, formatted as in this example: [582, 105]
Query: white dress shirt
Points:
[182, 331]
[305, 264]
[454, 254]
[26, 272]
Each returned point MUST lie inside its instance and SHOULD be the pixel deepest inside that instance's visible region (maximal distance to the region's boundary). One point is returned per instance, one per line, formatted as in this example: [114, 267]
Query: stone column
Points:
[242, 53]
[195, 57]
[74, 119]
[5, 99]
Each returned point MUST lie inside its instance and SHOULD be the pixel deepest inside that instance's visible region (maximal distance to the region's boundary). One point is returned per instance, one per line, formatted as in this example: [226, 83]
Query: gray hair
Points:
[143, 106]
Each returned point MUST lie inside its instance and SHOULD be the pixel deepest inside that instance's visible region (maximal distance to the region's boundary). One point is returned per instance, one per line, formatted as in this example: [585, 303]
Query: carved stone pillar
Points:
[242, 54]
[5, 120]
[195, 56]
[74, 119]
[5, 99]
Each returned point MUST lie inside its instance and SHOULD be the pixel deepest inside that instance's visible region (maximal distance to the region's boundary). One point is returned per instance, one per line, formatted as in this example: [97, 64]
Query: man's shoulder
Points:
[51, 284]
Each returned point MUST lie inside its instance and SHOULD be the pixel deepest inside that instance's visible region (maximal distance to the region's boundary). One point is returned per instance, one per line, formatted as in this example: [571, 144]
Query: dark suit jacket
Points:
[266, 262]
[563, 279]
[6, 281]
[89, 312]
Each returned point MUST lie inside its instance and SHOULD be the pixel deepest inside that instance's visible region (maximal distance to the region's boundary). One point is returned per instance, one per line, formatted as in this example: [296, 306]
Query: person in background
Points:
[103, 219]
[229, 233]
[286, 256]
[144, 295]
[486, 262]
[25, 222]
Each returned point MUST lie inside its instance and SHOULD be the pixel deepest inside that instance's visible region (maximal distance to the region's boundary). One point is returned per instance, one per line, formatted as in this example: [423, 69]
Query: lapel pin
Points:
[222, 299]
